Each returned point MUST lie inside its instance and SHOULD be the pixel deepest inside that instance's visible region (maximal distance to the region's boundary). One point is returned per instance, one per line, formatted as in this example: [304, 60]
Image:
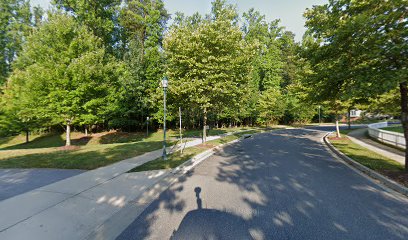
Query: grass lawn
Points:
[372, 160]
[177, 158]
[397, 129]
[365, 157]
[90, 152]
[346, 131]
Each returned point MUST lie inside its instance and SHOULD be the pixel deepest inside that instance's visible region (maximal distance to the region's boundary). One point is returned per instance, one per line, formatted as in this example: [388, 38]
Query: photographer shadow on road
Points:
[211, 224]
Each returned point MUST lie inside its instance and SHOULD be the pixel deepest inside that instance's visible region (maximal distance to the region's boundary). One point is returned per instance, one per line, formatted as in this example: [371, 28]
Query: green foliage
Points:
[387, 103]
[298, 111]
[207, 61]
[38, 14]
[99, 16]
[18, 101]
[267, 63]
[99, 64]
[271, 106]
[15, 25]
[143, 23]
[63, 75]
[359, 47]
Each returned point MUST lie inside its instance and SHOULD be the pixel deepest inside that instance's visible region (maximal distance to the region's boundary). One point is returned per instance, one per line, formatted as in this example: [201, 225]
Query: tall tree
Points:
[68, 73]
[208, 64]
[267, 63]
[271, 106]
[100, 16]
[15, 22]
[361, 49]
[143, 24]
[18, 106]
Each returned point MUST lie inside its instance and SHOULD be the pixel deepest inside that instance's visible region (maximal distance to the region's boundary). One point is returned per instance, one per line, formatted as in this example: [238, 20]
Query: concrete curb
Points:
[115, 225]
[367, 171]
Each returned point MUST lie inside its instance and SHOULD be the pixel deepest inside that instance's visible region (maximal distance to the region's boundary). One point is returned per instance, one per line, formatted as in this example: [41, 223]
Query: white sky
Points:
[289, 11]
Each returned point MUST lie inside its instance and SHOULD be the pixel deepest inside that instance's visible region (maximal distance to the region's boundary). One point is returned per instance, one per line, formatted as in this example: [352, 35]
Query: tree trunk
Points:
[348, 118]
[204, 125]
[27, 136]
[404, 117]
[86, 130]
[68, 136]
[337, 127]
[337, 120]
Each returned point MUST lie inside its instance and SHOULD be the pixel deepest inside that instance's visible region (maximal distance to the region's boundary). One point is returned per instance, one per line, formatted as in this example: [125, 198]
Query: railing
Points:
[392, 138]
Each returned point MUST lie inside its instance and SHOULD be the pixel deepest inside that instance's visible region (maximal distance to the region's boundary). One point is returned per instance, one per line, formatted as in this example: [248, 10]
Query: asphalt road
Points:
[278, 185]
[17, 181]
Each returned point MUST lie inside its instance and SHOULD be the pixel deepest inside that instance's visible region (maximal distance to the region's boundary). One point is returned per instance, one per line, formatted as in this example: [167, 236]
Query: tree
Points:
[267, 63]
[69, 75]
[143, 23]
[361, 49]
[207, 62]
[387, 103]
[99, 16]
[18, 114]
[267, 66]
[271, 106]
[38, 14]
[15, 22]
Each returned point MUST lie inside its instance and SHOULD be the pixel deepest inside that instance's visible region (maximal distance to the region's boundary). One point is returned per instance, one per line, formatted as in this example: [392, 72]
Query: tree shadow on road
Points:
[307, 193]
[289, 187]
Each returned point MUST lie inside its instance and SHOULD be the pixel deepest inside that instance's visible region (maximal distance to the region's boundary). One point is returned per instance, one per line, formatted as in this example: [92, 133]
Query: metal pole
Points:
[164, 125]
[319, 116]
[181, 136]
[147, 126]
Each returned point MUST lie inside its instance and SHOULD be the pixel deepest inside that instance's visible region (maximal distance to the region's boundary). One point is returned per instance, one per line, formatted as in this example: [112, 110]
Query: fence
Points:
[392, 138]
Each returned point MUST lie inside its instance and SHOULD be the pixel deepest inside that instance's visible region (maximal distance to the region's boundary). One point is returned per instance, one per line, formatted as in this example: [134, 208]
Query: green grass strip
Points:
[176, 159]
[397, 129]
[366, 157]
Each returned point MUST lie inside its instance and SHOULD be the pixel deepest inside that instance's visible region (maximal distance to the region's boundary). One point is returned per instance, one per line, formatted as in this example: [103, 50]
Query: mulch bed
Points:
[401, 177]
[69, 148]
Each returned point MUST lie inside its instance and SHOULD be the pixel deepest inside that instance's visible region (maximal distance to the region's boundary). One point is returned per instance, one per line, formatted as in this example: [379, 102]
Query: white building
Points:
[355, 113]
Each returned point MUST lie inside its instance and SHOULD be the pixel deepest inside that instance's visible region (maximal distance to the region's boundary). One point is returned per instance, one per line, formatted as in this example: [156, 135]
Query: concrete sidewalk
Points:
[14, 182]
[359, 137]
[73, 208]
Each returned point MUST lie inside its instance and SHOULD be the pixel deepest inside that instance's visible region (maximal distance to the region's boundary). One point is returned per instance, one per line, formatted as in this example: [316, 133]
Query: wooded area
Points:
[97, 65]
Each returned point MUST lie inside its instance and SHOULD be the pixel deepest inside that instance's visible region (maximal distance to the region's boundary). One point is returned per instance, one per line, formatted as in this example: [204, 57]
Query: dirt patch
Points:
[401, 177]
[100, 134]
[68, 148]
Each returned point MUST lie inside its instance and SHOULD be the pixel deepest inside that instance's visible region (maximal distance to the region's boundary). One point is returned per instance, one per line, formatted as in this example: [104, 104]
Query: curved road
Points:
[278, 185]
